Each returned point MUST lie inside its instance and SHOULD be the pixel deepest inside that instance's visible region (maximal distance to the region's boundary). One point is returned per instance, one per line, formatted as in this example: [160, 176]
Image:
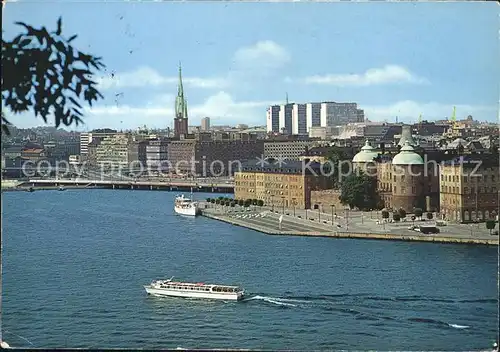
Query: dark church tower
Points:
[181, 116]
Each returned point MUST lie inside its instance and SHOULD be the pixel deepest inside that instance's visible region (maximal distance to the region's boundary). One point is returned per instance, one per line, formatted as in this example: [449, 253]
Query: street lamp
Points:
[283, 204]
[347, 218]
[272, 202]
[319, 213]
[293, 203]
[333, 206]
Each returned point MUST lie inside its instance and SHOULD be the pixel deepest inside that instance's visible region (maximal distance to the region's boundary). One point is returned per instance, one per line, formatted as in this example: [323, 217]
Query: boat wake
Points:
[438, 322]
[456, 326]
[277, 301]
[340, 304]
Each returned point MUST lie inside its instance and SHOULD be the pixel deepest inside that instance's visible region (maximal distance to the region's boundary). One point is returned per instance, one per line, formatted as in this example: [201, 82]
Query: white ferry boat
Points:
[185, 206]
[194, 290]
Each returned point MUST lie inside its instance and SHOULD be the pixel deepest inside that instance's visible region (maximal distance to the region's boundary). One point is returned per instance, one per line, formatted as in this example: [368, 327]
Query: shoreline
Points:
[356, 235]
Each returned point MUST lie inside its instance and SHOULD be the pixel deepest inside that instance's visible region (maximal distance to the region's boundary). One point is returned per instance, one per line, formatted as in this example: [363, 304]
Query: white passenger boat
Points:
[185, 206]
[194, 290]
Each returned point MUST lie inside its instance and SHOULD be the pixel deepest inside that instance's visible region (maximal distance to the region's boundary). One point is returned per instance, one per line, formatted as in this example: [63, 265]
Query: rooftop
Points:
[407, 156]
[284, 167]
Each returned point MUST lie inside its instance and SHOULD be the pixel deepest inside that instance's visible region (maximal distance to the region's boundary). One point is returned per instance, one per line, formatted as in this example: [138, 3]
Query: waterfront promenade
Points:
[358, 225]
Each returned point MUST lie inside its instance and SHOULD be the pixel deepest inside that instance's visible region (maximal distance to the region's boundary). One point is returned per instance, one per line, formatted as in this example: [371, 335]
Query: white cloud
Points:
[374, 76]
[159, 112]
[146, 77]
[265, 54]
[409, 111]
[247, 62]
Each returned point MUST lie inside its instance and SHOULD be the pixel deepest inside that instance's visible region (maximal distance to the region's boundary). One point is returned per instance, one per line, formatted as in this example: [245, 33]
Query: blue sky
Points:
[393, 59]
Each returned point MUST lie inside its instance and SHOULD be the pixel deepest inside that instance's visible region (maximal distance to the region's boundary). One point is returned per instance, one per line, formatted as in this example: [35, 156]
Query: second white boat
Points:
[185, 206]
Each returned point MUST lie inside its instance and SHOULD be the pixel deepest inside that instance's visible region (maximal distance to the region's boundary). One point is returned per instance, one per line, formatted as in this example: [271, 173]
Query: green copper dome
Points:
[366, 155]
[407, 156]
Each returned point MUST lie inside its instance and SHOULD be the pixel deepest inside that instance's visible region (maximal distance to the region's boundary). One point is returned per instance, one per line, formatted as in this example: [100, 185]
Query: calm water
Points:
[74, 264]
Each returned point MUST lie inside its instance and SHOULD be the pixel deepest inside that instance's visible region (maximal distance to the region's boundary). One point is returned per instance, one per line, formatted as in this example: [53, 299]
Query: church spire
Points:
[180, 101]
[180, 88]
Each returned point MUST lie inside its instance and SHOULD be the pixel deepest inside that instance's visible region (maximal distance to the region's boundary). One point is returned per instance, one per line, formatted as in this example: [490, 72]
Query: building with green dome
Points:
[409, 179]
[365, 160]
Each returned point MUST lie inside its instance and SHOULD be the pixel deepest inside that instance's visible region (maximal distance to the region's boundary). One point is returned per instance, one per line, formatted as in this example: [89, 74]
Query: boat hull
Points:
[191, 211]
[236, 296]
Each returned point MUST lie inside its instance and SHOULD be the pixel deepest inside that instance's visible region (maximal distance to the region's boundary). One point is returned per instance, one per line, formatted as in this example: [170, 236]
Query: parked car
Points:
[429, 229]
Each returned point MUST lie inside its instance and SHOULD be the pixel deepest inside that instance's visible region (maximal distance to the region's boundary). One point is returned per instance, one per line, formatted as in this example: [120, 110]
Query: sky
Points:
[393, 59]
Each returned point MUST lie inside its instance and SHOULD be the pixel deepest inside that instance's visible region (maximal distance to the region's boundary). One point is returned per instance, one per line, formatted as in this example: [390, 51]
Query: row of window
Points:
[267, 184]
[467, 190]
[469, 215]
[479, 178]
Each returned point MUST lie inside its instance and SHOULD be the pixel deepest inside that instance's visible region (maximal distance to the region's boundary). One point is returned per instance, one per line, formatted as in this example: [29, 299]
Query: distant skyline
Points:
[393, 59]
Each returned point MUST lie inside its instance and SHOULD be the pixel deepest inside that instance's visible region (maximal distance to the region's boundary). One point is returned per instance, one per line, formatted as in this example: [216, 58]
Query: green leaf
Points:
[75, 102]
[59, 26]
[24, 42]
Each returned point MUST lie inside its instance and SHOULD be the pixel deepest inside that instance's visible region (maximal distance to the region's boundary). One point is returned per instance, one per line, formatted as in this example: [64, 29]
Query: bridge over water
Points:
[178, 185]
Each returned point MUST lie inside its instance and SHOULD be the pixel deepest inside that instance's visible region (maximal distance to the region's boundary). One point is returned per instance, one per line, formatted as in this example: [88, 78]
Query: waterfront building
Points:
[75, 159]
[280, 185]
[62, 150]
[156, 152]
[181, 156]
[205, 124]
[113, 150]
[13, 151]
[33, 154]
[181, 115]
[468, 192]
[137, 151]
[202, 155]
[87, 137]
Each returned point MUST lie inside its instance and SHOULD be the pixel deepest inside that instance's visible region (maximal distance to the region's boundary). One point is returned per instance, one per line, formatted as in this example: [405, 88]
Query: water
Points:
[74, 263]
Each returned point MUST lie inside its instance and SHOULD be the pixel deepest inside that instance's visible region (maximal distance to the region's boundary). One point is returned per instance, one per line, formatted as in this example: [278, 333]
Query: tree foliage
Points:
[490, 225]
[429, 215]
[385, 214]
[402, 213]
[396, 216]
[359, 191]
[41, 70]
[340, 161]
[418, 212]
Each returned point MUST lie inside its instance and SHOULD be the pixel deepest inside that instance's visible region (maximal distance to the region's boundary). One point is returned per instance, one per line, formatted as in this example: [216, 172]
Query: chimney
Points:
[382, 148]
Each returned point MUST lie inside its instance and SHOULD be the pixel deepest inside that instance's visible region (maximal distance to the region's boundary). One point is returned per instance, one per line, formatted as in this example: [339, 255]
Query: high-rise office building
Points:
[273, 118]
[313, 115]
[299, 118]
[205, 124]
